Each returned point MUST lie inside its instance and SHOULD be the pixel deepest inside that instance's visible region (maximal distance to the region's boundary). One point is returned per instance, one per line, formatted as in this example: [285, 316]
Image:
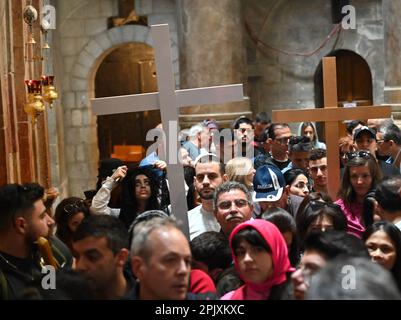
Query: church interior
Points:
[56, 55]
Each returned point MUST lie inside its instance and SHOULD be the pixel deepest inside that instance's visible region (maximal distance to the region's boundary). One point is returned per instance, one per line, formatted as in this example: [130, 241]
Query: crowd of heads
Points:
[259, 227]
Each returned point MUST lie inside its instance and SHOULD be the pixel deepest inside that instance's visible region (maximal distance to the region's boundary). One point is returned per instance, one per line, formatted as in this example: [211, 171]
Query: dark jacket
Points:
[16, 273]
[134, 295]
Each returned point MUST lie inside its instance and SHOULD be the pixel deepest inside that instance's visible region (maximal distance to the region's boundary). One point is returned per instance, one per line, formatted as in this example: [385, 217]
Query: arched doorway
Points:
[129, 69]
[354, 82]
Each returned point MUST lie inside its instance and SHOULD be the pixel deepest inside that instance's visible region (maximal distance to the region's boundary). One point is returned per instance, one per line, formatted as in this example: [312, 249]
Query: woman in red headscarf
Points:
[261, 258]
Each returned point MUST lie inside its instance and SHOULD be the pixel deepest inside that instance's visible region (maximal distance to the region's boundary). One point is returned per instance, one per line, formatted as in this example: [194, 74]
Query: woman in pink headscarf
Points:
[261, 258]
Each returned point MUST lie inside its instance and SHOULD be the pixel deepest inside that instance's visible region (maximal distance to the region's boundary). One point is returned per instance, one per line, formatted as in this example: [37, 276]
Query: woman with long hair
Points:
[139, 193]
[361, 175]
[308, 129]
[261, 259]
[68, 215]
[383, 241]
[240, 169]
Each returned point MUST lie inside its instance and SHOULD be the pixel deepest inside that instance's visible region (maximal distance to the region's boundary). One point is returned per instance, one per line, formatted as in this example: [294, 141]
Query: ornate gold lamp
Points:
[48, 90]
[43, 90]
[34, 105]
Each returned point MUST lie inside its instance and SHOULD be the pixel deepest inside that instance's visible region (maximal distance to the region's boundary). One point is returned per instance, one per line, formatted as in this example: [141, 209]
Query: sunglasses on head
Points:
[361, 154]
[317, 205]
[299, 139]
[75, 207]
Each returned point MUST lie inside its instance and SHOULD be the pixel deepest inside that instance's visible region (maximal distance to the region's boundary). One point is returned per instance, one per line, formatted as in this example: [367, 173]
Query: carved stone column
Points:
[212, 52]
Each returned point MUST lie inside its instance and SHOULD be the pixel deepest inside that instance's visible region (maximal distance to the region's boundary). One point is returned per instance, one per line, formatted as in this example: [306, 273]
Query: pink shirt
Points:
[353, 213]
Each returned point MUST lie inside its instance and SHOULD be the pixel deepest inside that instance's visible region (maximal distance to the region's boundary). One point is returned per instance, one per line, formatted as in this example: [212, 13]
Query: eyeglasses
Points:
[362, 154]
[239, 203]
[75, 207]
[283, 140]
[315, 169]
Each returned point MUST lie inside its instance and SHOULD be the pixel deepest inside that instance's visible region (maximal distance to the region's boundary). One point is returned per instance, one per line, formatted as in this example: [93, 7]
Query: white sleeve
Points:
[102, 198]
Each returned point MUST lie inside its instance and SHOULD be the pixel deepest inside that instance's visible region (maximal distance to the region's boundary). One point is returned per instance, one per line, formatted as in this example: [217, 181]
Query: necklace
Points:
[13, 266]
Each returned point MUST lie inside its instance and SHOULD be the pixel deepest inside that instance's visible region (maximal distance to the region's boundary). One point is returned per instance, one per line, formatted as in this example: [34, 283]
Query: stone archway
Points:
[81, 143]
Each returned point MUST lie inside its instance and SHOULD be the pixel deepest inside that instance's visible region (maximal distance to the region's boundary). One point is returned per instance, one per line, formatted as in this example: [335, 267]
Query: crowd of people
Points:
[261, 222]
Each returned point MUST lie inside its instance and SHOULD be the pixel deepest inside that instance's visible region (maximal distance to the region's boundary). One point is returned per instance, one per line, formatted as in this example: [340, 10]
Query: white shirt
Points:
[398, 225]
[201, 221]
[102, 198]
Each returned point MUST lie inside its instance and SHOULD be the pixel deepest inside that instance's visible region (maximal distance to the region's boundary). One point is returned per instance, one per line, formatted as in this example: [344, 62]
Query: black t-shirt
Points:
[16, 273]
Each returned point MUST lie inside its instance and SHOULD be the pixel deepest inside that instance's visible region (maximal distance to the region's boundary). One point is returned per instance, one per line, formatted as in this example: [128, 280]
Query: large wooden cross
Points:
[331, 115]
[168, 100]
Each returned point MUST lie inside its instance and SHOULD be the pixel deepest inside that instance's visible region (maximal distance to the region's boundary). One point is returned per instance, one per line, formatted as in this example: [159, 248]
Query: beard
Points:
[206, 195]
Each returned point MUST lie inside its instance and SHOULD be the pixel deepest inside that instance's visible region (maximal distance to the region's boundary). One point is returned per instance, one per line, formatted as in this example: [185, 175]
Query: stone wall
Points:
[279, 81]
[83, 42]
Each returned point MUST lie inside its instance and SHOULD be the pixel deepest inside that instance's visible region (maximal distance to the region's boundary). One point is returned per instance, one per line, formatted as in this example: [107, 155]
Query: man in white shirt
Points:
[209, 173]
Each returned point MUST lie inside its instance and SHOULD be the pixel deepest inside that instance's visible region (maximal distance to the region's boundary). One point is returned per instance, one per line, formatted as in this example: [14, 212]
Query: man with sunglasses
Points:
[389, 144]
[276, 146]
[232, 205]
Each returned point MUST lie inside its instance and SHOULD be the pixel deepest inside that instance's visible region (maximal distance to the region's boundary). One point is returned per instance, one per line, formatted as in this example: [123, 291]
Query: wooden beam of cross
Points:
[331, 115]
[168, 100]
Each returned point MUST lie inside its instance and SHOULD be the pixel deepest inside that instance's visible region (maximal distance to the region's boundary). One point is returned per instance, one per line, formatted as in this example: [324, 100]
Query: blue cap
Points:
[268, 184]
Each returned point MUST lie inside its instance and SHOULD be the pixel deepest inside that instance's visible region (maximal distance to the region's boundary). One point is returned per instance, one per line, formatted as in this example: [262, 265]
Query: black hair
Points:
[285, 223]
[310, 210]
[273, 127]
[368, 208]
[100, 226]
[227, 281]
[240, 120]
[212, 249]
[211, 158]
[291, 175]
[252, 236]
[395, 235]
[299, 144]
[317, 154]
[16, 199]
[62, 215]
[387, 195]
[353, 124]
[106, 169]
[129, 206]
[189, 174]
[332, 243]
